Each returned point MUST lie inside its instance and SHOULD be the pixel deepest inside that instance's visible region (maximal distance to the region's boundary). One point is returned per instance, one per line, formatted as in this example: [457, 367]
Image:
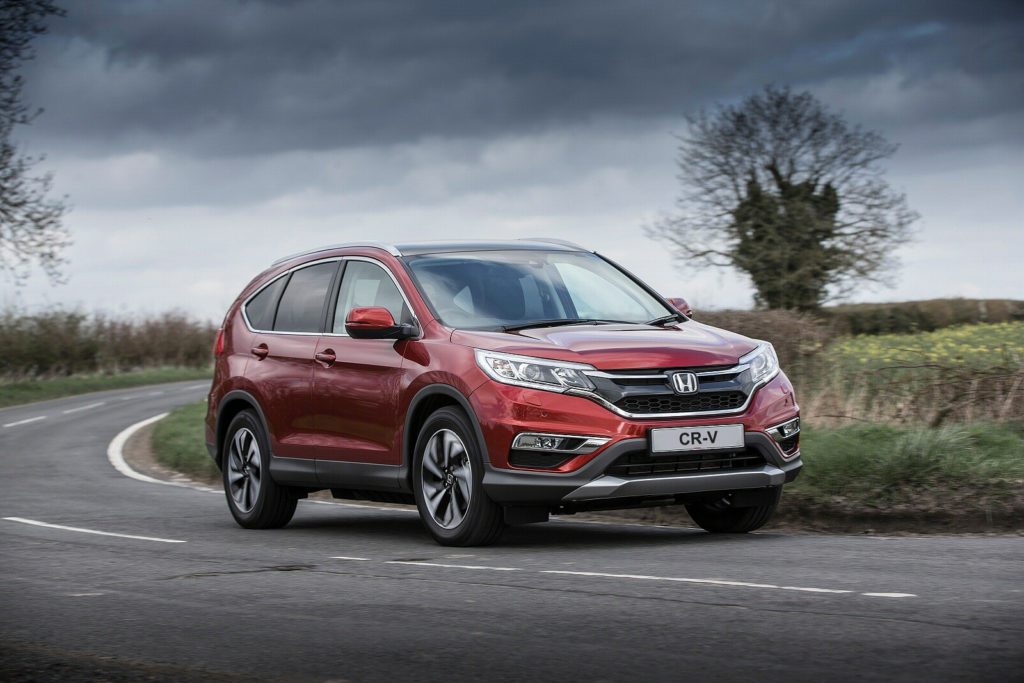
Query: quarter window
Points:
[260, 309]
[302, 304]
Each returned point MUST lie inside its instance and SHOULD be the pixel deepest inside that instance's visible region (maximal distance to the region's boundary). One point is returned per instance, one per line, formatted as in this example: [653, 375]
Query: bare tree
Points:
[31, 229]
[788, 192]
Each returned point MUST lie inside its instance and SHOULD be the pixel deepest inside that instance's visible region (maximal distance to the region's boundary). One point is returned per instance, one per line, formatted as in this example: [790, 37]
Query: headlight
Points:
[536, 373]
[764, 364]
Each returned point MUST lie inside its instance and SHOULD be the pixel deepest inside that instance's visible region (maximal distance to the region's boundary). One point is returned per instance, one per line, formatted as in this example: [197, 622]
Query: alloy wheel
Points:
[244, 469]
[446, 478]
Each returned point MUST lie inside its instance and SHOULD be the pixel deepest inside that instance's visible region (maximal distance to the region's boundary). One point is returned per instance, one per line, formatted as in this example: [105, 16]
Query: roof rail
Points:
[561, 243]
[390, 248]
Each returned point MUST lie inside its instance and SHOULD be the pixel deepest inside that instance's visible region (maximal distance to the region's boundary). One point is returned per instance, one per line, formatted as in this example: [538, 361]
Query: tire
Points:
[256, 501]
[720, 517]
[448, 470]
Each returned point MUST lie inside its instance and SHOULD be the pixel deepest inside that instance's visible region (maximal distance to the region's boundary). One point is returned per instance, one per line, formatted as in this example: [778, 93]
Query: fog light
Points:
[558, 443]
[538, 442]
[785, 430]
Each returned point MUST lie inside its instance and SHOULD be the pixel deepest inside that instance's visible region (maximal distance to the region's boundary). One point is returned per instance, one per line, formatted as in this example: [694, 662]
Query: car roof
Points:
[441, 247]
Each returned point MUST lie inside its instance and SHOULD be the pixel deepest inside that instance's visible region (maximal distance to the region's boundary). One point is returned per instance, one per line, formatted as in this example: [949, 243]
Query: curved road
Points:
[567, 601]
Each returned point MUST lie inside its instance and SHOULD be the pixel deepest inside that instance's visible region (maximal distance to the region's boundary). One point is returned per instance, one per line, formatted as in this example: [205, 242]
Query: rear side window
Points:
[260, 309]
[302, 304]
[367, 284]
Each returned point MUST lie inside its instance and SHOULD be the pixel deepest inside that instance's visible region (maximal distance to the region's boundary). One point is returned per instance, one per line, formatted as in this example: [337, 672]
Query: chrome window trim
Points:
[300, 266]
[245, 315]
[398, 286]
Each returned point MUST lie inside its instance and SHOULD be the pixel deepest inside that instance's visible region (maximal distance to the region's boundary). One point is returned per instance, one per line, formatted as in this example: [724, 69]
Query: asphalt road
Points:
[566, 601]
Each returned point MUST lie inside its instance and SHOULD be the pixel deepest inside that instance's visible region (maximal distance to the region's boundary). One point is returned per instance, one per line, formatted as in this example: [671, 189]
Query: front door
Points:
[356, 397]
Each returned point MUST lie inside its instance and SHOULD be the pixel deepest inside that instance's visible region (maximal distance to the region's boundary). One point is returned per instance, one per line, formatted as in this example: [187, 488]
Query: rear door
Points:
[283, 356]
[356, 397]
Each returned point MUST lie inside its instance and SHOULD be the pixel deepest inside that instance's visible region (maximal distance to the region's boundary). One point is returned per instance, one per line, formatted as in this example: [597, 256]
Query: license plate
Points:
[696, 438]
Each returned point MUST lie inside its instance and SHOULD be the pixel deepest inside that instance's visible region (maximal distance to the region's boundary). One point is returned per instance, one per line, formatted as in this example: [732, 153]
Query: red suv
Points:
[491, 383]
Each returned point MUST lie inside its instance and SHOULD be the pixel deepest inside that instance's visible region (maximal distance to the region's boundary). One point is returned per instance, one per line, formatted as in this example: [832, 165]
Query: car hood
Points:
[619, 347]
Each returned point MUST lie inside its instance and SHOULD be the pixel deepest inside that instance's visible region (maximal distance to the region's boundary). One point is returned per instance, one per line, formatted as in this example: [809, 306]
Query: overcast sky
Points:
[198, 141]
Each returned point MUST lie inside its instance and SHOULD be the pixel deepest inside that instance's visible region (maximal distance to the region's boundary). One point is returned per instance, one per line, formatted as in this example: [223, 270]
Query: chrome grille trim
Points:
[736, 369]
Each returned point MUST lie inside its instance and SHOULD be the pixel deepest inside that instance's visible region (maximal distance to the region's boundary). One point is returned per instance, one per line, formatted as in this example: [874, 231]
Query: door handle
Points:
[261, 351]
[326, 357]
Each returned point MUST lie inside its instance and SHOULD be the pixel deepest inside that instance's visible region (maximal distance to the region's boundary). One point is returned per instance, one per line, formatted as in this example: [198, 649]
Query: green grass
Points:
[179, 442]
[851, 469]
[26, 391]
[879, 466]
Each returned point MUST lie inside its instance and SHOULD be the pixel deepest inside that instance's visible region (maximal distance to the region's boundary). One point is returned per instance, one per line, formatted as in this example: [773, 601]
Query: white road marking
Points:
[454, 566]
[25, 422]
[35, 522]
[155, 393]
[85, 407]
[637, 577]
[645, 577]
[115, 451]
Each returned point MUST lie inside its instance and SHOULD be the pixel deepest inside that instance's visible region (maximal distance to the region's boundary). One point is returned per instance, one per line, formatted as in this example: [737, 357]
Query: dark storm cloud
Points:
[257, 77]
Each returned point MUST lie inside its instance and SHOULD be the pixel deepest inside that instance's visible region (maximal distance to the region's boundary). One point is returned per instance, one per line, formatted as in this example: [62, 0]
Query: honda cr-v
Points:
[491, 384]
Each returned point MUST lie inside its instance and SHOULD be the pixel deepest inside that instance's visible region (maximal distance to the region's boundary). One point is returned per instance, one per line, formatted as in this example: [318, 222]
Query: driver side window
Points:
[367, 284]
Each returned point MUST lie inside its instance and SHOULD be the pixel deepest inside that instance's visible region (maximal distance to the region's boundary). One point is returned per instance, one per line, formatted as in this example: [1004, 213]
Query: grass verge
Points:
[912, 479]
[179, 442]
[874, 471]
[27, 391]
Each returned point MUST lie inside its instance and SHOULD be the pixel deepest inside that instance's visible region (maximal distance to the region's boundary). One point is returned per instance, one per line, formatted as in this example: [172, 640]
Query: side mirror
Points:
[680, 305]
[376, 322]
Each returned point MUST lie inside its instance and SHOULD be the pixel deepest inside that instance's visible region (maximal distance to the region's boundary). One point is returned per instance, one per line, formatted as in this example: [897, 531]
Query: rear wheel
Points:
[447, 476]
[722, 517]
[256, 501]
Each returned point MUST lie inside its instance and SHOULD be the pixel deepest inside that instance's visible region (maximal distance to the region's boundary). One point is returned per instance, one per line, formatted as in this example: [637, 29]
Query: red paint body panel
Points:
[511, 410]
[620, 347]
[356, 412]
[354, 408]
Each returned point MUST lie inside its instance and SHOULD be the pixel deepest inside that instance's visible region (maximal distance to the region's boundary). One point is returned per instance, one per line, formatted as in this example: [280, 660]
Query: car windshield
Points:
[506, 289]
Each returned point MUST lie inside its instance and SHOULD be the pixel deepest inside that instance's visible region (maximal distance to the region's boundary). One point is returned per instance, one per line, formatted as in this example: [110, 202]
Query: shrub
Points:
[797, 337]
[60, 342]
[921, 316]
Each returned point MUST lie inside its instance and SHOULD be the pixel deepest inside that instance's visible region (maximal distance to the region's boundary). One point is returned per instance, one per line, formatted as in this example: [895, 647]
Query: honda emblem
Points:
[684, 383]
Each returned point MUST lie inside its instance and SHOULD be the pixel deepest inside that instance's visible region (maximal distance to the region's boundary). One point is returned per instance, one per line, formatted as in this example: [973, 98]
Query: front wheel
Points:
[721, 517]
[256, 501]
[447, 476]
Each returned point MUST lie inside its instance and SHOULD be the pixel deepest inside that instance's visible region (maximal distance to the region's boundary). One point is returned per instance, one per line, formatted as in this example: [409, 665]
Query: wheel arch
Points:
[231, 405]
[428, 400]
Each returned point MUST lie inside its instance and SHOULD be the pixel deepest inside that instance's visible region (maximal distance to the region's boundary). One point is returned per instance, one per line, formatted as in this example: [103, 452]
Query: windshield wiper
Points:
[558, 322]
[675, 317]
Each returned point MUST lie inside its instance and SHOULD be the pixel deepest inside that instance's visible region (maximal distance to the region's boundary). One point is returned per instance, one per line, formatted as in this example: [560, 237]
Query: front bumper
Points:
[591, 484]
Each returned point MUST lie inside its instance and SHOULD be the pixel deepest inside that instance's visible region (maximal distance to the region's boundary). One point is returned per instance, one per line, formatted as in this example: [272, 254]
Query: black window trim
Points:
[288, 274]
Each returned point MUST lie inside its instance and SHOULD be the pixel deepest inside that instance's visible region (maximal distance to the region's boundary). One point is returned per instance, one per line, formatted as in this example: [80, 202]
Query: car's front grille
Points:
[643, 464]
[649, 392]
[652, 404]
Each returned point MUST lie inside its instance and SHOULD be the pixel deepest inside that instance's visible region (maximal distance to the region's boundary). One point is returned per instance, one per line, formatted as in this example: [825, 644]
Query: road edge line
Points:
[115, 453]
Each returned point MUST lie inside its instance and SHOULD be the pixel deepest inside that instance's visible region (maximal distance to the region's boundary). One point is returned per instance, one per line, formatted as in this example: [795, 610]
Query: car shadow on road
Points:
[369, 524]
